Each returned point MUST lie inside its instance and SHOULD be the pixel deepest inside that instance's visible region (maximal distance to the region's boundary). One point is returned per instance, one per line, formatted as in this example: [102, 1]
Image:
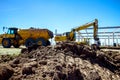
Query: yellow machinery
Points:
[70, 36]
[25, 37]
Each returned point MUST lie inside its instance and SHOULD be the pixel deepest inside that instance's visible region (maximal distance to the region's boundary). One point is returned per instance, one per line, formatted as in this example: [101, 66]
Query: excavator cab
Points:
[71, 36]
[67, 34]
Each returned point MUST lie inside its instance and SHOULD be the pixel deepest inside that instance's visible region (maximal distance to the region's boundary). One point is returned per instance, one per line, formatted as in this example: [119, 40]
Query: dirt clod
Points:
[75, 75]
[59, 76]
[27, 70]
[5, 72]
[94, 76]
[16, 61]
[43, 62]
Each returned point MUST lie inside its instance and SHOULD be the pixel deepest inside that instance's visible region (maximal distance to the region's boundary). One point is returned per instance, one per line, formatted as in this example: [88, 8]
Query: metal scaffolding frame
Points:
[108, 37]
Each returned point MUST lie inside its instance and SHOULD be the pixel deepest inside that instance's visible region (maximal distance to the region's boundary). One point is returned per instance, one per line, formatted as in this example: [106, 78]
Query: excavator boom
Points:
[85, 26]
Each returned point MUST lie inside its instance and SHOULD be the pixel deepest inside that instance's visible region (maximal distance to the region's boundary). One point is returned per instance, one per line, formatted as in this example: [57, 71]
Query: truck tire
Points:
[29, 42]
[41, 41]
[6, 43]
[48, 42]
[16, 44]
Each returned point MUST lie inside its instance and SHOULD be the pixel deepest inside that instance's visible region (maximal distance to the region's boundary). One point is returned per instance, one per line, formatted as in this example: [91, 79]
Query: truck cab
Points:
[12, 30]
[8, 39]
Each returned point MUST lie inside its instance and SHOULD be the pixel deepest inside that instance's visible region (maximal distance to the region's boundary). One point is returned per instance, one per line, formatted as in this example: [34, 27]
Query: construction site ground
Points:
[64, 61]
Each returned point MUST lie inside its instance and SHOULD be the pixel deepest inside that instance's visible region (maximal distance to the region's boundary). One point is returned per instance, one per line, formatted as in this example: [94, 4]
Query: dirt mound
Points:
[65, 61]
[107, 59]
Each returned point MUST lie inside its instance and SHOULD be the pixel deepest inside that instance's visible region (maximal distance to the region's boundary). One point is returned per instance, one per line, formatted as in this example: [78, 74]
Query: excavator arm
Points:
[95, 26]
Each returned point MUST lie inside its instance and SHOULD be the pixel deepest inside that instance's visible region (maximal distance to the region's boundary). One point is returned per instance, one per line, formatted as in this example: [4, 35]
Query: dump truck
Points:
[16, 37]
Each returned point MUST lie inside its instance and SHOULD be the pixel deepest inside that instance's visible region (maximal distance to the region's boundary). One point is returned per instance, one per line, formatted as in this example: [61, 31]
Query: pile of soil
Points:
[64, 61]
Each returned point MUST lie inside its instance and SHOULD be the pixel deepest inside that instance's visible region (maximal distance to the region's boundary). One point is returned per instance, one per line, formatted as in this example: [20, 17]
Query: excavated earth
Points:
[65, 61]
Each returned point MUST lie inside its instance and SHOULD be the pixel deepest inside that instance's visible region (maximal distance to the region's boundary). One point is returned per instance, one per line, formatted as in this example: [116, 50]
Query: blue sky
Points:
[58, 14]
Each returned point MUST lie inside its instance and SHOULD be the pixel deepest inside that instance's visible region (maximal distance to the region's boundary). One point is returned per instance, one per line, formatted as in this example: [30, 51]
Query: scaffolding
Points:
[109, 36]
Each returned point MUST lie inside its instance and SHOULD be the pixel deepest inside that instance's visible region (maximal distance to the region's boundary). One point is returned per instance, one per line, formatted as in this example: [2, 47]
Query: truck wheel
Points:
[6, 43]
[41, 41]
[48, 42]
[15, 44]
[29, 42]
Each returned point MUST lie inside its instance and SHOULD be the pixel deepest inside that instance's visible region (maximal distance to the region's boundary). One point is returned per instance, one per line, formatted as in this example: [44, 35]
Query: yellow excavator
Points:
[71, 36]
